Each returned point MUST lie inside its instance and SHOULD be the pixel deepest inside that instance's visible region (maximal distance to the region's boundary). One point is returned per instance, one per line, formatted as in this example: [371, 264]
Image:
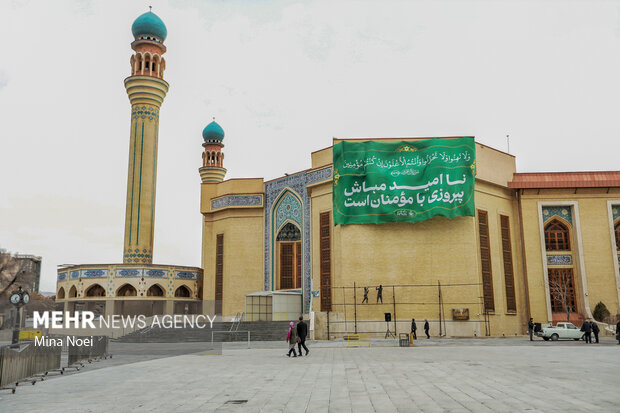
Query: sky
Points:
[282, 78]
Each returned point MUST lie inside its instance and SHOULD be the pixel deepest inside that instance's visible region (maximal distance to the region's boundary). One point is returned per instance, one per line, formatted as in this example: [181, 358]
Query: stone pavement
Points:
[484, 375]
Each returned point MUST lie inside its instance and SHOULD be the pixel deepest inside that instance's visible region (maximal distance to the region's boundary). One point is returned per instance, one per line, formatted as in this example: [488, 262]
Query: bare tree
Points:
[561, 289]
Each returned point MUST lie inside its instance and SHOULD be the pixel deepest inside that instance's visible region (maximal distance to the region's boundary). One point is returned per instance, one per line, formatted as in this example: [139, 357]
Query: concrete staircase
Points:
[259, 331]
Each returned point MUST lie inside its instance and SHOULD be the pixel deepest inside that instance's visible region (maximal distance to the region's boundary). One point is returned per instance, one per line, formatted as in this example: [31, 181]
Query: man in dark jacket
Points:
[530, 328]
[426, 328]
[414, 327]
[587, 330]
[595, 330]
[302, 333]
[618, 331]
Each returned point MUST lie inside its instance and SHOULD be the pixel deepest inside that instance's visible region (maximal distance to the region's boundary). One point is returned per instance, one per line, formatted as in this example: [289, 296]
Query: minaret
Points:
[212, 170]
[146, 89]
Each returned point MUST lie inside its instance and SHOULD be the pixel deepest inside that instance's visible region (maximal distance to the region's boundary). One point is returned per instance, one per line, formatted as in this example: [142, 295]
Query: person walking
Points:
[595, 330]
[365, 300]
[379, 293]
[426, 328]
[530, 328]
[302, 333]
[618, 331]
[587, 331]
[414, 327]
[291, 338]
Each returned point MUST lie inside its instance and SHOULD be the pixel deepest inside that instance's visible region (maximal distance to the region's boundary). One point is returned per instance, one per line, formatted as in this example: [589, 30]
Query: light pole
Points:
[19, 298]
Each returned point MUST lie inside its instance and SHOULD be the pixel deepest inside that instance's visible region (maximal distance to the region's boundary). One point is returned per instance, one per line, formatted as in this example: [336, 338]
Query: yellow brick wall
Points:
[243, 230]
[597, 250]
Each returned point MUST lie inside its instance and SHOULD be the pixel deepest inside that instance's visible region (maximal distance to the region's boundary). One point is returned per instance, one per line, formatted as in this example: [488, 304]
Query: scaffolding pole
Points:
[355, 305]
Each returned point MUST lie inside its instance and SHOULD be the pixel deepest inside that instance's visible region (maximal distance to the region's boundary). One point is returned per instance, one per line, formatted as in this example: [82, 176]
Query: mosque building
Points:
[137, 286]
[543, 245]
[376, 232]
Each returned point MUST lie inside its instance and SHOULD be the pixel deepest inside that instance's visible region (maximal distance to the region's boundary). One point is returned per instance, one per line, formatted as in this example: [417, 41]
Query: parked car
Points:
[560, 331]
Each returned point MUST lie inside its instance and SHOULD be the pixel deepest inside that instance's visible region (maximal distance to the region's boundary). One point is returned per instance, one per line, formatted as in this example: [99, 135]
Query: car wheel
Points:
[546, 338]
[554, 337]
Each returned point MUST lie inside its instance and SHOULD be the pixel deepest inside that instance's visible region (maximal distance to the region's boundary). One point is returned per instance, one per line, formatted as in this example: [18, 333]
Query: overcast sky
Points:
[282, 78]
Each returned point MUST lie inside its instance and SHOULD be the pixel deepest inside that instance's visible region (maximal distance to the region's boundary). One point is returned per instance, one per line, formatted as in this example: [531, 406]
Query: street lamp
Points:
[19, 298]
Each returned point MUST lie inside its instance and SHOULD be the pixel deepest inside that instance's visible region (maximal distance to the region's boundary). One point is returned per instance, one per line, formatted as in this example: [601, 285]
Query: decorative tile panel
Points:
[75, 274]
[615, 210]
[289, 208]
[273, 189]
[156, 274]
[94, 273]
[185, 275]
[560, 211]
[130, 272]
[563, 259]
[62, 276]
[237, 200]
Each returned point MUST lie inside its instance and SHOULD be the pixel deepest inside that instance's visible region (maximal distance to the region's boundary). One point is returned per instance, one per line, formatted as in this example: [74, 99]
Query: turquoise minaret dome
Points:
[149, 24]
[213, 132]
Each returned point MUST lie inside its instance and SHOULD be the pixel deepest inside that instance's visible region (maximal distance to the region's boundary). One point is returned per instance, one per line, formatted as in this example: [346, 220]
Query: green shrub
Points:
[600, 312]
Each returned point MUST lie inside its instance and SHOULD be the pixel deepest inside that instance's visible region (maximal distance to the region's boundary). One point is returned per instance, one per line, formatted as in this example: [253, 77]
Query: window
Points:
[511, 302]
[326, 260]
[286, 265]
[485, 259]
[556, 236]
[219, 272]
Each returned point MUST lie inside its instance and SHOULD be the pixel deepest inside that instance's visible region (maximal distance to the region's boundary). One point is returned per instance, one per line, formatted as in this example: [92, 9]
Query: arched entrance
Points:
[288, 244]
[155, 291]
[182, 292]
[95, 291]
[126, 290]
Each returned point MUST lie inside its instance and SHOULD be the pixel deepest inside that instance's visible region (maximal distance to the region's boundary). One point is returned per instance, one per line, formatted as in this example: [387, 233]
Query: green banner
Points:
[407, 181]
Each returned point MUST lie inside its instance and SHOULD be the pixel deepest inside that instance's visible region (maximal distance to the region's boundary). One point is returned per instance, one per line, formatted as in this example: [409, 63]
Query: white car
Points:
[560, 331]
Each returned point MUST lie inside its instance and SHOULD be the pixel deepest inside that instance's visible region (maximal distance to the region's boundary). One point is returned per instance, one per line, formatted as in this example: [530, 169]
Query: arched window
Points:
[61, 294]
[155, 291]
[95, 291]
[617, 230]
[126, 290]
[182, 291]
[72, 292]
[557, 236]
[289, 232]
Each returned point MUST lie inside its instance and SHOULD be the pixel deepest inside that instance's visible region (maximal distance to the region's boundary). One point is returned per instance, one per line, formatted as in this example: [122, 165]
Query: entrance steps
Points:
[259, 331]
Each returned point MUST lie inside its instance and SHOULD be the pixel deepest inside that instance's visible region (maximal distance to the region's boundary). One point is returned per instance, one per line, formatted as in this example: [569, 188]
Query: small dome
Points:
[149, 23]
[213, 132]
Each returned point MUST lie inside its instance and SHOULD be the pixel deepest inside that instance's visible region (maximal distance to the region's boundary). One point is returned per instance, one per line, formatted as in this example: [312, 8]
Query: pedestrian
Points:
[414, 327]
[379, 293]
[595, 330]
[530, 328]
[291, 338]
[618, 331]
[302, 333]
[365, 300]
[587, 330]
[426, 328]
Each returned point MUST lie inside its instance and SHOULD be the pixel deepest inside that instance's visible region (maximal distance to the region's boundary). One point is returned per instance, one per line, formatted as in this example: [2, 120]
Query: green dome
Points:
[213, 132]
[149, 23]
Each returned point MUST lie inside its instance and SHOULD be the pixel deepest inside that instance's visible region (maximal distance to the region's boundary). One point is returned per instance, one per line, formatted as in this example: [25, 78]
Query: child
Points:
[291, 338]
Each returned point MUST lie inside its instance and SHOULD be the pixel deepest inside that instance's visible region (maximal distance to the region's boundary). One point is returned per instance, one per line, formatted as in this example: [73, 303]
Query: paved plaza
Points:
[480, 375]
